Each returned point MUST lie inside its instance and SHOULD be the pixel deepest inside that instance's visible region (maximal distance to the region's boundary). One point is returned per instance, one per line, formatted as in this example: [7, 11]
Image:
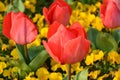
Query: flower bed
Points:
[102, 61]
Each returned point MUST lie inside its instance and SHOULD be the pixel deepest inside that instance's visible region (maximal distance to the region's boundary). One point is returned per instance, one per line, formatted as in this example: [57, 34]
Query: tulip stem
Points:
[26, 54]
[69, 71]
[12, 2]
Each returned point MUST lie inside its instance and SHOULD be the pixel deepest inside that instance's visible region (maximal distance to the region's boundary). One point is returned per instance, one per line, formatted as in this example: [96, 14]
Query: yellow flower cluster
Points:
[117, 75]
[43, 74]
[94, 56]
[11, 72]
[88, 16]
[94, 74]
[2, 66]
[30, 4]
[42, 27]
[2, 7]
[113, 57]
[85, 14]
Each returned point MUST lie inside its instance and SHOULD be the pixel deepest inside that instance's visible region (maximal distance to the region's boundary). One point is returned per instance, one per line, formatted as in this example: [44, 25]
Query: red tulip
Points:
[67, 45]
[18, 27]
[58, 11]
[110, 13]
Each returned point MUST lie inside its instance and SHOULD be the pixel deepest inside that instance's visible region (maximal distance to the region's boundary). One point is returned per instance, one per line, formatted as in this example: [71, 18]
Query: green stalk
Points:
[12, 2]
[69, 71]
[27, 59]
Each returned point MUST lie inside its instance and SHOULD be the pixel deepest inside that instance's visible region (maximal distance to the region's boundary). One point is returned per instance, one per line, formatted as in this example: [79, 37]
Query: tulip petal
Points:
[110, 14]
[58, 11]
[62, 3]
[52, 29]
[23, 31]
[117, 2]
[112, 19]
[61, 36]
[77, 29]
[45, 13]
[7, 25]
[56, 42]
[50, 14]
[64, 18]
[50, 51]
[75, 50]
[102, 11]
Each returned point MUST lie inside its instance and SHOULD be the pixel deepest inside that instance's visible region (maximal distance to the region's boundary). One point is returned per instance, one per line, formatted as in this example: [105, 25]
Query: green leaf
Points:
[82, 75]
[24, 69]
[38, 60]
[69, 1]
[35, 50]
[91, 34]
[116, 35]
[106, 42]
[65, 78]
[20, 49]
[18, 6]
[10, 8]
[83, 1]
[21, 6]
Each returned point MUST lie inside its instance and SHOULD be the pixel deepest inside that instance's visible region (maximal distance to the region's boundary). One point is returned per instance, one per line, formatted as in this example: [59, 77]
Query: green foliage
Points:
[39, 59]
[88, 1]
[33, 51]
[16, 6]
[69, 1]
[41, 4]
[103, 40]
[91, 34]
[20, 49]
[106, 42]
[116, 35]
[19, 5]
[82, 75]
[37, 55]
[24, 69]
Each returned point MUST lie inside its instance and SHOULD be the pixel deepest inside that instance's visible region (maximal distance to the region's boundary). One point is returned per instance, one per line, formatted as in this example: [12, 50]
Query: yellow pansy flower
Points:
[12, 43]
[55, 76]
[99, 56]
[113, 57]
[1, 17]
[43, 32]
[94, 74]
[89, 59]
[7, 73]
[117, 75]
[42, 73]
[29, 77]
[4, 47]
[14, 54]
[2, 7]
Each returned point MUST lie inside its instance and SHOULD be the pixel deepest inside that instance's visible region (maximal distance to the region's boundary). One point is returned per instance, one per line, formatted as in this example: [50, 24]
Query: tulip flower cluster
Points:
[65, 45]
[110, 13]
[81, 37]
[18, 27]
